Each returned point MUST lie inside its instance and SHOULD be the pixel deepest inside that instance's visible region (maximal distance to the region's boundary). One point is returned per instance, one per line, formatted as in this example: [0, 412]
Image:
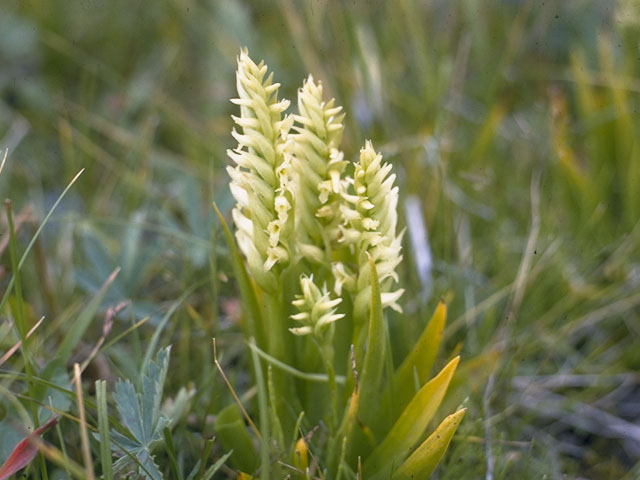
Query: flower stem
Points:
[327, 353]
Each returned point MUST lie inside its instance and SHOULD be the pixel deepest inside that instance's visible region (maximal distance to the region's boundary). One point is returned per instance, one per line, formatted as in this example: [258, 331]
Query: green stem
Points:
[310, 377]
[275, 324]
[276, 335]
[265, 461]
[327, 353]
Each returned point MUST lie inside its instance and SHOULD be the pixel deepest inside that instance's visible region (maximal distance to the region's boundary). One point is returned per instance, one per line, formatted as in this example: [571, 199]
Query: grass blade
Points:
[84, 436]
[83, 321]
[103, 430]
[34, 238]
[171, 452]
[216, 466]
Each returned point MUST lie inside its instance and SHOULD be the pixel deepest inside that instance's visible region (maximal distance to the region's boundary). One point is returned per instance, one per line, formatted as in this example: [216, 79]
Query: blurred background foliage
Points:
[514, 127]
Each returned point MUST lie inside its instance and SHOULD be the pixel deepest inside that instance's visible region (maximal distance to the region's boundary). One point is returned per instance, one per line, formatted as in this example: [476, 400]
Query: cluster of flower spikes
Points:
[261, 181]
[334, 212]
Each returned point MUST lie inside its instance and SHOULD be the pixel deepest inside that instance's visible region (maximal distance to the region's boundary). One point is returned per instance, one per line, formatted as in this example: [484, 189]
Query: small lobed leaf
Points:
[128, 407]
[147, 466]
[151, 399]
[142, 416]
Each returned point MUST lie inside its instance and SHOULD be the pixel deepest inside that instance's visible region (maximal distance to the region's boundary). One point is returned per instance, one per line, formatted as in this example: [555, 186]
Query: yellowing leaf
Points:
[300, 456]
[424, 460]
[410, 426]
[420, 361]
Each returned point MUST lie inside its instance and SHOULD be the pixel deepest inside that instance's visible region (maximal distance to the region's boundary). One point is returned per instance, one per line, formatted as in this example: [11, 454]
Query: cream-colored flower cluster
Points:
[319, 166]
[370, 222]
[261, 181]
[317, 309]
[296, 199]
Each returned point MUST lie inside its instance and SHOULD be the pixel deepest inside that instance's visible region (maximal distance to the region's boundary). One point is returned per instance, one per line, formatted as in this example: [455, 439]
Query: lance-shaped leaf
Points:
[410, 426]
[370, 386]
[425, 459]
[374, 358]
[412, 374]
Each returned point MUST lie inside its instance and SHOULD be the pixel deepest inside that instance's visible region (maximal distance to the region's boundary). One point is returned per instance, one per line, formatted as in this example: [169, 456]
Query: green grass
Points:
[513, 124]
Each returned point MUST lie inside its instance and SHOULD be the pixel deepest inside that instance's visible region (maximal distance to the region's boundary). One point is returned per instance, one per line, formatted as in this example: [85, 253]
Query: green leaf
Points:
[129, 409]
[410, 426]
[368, 391]
[216, 466]
[265, 436]
[374, 357]
[417, 365]
[152, 388]
[142, 416]
[155, 338]
[148, 467]
[425, 459]
[250, 304]
[103, 429]
[56, 373]
[234, 436]
[171, 453]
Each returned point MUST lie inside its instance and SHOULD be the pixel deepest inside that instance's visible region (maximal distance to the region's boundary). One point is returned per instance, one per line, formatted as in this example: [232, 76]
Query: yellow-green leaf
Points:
[369, 388]
[425, 459]
[374, 357]
[233, 434]
[410, 426]
[418, 362]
